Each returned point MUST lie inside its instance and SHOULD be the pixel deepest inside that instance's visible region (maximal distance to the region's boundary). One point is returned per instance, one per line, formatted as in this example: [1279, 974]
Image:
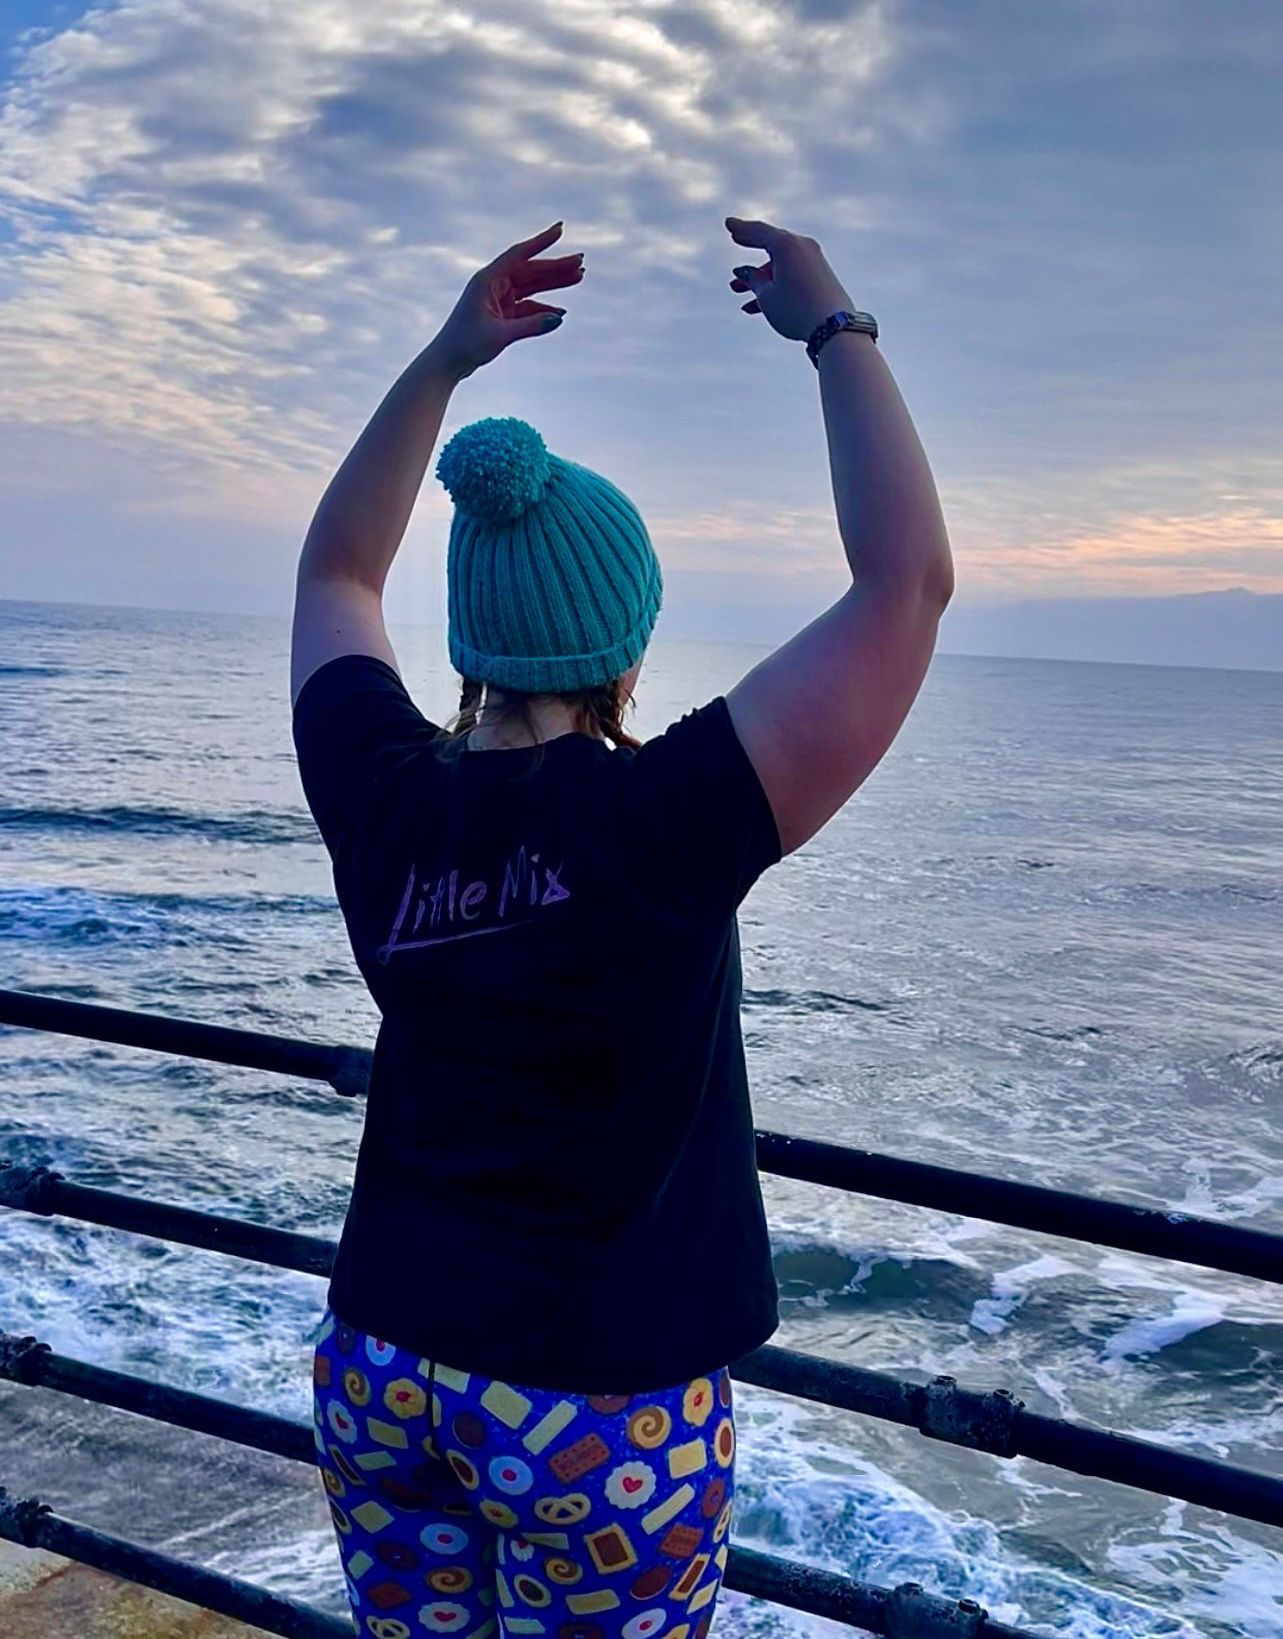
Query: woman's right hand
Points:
[796, 289]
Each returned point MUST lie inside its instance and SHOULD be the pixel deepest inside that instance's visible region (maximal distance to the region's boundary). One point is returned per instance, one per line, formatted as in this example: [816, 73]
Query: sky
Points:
[227, 225]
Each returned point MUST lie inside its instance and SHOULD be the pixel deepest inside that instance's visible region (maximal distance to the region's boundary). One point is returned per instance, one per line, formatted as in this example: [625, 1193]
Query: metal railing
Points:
[995, 1422]
[1150, 1230]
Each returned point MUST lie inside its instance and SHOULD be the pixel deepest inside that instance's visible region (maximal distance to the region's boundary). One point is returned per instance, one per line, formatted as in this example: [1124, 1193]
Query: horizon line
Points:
[725, 642]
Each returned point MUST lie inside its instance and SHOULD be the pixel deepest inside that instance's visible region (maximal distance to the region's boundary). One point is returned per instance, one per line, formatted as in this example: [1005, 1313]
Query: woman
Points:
[556, 1242]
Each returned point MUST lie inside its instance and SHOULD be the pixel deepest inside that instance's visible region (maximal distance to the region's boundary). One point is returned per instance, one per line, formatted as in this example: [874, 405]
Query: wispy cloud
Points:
[220, 214]
[1077, 534]
[226, 226]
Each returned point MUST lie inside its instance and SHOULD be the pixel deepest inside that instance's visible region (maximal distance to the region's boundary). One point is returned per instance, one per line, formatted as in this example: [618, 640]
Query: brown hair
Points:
[598, 710]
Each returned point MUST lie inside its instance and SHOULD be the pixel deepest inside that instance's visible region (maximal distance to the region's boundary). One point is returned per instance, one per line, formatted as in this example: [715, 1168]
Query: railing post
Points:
[20, 1518]
[29, 1189]
[912, 1613]
[19, 1358]
[986, 1422]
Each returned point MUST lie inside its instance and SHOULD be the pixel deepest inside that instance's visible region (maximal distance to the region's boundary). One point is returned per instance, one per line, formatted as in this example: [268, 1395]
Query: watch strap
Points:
[843, 319]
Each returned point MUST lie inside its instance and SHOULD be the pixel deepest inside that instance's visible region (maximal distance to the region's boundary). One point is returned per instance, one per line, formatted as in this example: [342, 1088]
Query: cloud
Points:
[229, 225]
[1081, 533]
[1138, 554]
[226, 217]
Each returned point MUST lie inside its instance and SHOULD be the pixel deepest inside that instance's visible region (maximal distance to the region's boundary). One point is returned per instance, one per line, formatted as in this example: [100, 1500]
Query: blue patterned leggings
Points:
[464, 1505]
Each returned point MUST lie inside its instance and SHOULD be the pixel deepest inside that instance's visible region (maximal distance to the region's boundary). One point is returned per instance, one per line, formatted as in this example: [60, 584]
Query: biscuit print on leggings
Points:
[464, 1505]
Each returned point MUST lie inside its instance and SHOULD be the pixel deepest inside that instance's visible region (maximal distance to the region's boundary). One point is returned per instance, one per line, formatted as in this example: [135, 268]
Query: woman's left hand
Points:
[495, 308]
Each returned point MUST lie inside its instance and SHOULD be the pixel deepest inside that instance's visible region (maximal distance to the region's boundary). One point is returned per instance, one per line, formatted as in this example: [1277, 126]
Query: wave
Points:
[81, 916]
[254, 825]
[1078, 1033]
[810, 1494]
[811, 1001]
[1198, 1336]
[1260, 1062]
[815, 1275]
[1226, 888]
[1204, 1333]
[32, 671]
[1011, 1287]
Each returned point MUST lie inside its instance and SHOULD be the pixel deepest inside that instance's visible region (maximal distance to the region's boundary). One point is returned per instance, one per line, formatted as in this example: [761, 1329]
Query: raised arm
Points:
[818, 715]
[360, 522]
[362, 517]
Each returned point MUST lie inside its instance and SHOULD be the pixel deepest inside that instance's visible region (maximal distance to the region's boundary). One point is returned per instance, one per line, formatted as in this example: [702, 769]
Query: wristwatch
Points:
[843, 319]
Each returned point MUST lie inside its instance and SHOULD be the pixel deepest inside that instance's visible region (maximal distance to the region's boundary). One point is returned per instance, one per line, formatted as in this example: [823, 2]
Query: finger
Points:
[750, 307]
[528, 310]
[540, 325]
[571, 259]
[525, 248]
[761, 234]
[555, 261]
[556, 275]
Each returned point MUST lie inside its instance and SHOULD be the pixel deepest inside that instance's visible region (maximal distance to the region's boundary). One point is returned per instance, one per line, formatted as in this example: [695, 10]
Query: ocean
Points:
[1042, 941]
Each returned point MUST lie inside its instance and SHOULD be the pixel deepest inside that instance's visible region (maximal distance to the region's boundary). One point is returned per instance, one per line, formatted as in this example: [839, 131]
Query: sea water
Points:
[1042, 941]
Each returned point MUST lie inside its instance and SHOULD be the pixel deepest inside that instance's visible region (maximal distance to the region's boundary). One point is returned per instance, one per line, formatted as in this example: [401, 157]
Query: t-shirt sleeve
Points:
[704, 822]
[353, 723]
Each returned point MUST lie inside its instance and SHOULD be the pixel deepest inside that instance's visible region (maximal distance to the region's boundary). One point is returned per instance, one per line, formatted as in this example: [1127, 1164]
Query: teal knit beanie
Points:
[553, 583]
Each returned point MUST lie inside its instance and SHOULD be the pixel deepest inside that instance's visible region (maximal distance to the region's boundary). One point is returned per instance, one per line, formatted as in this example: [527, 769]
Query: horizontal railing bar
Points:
[995, 1422]
[802, 1587]
[28, 1361]
[345, 1068]
[1152, 1231]
[998, 1423]
[37, 1189]
[1158, 1232]
[29, 1522]
[904, 1612]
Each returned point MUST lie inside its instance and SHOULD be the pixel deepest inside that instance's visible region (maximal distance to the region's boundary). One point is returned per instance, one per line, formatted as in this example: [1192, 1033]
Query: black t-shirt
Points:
[557, 1180]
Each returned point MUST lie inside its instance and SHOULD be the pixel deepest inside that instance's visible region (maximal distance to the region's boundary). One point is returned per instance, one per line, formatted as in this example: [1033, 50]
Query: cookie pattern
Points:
[465, 1505]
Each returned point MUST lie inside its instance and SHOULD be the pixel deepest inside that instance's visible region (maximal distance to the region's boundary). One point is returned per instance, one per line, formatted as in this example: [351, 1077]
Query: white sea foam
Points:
[1011, 1288]
[1236, 1583]
[1055, 1391]
[804, 1497]
[1192, 1312]
[1244, 1203]
[1191, 1308]
[828, 1227]
[1228, 1437]
[1122, 1273]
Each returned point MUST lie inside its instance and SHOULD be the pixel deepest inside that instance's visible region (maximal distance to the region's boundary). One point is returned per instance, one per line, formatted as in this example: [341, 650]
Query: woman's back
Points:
[558, 1156]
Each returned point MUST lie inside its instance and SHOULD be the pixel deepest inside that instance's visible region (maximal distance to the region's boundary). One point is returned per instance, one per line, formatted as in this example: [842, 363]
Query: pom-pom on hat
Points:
[553, 583]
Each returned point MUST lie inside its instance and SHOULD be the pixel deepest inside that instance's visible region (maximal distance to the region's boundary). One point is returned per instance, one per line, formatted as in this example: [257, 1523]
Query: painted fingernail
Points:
[741, 272]
[552, 321]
